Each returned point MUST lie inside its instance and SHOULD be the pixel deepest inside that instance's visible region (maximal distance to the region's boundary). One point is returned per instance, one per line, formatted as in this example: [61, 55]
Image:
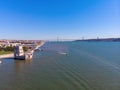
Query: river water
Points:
[65, 66]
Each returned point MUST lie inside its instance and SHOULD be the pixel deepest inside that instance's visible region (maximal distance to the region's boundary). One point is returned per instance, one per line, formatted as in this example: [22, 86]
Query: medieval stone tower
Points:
[18, 52]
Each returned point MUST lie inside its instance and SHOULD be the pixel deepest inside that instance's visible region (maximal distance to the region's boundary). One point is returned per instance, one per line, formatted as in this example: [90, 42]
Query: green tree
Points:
[9, 48]
[25, 48]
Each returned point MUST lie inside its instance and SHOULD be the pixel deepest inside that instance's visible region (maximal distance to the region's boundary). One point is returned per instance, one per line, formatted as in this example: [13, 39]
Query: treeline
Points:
[11, 48]
[25, 48]
[8, 48]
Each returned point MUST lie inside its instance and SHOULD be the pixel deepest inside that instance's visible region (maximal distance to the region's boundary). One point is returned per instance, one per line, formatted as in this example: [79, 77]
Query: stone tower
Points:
[18, 52]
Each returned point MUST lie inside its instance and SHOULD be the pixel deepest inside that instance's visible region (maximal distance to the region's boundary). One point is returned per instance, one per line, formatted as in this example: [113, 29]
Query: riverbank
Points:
[5, 52]
[7, 56]
[40, 45]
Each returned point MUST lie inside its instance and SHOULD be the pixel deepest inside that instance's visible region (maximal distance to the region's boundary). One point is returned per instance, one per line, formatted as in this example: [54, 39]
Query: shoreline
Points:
[7, 56]
[40, 45]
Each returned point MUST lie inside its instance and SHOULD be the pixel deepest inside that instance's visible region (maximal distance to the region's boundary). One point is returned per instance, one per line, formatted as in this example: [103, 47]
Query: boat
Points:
[63, 53]
[0, 61]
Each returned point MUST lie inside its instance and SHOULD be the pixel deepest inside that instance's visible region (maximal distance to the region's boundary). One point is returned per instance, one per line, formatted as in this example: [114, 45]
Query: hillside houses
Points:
[7, 43]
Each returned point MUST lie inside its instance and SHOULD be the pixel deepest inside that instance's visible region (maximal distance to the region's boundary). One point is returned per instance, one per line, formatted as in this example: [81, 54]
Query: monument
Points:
[20, 54]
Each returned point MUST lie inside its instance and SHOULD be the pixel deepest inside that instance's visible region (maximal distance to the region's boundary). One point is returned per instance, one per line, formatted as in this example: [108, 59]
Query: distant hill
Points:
[103, 39]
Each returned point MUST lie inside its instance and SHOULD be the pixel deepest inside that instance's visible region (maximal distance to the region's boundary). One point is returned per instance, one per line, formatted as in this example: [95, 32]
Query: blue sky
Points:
[66, 19]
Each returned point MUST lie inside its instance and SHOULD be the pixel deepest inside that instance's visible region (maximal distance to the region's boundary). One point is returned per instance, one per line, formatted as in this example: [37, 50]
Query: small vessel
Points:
[0, 61]
[63, 53]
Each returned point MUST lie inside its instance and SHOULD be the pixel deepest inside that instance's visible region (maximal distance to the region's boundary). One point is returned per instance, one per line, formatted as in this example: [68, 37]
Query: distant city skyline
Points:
[66, 19]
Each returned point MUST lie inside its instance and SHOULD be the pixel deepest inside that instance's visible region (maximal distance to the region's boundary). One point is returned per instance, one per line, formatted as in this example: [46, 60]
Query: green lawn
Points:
[5, 52]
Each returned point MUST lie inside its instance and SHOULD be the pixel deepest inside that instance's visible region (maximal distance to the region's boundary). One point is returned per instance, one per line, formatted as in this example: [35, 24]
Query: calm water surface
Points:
[87, 66]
